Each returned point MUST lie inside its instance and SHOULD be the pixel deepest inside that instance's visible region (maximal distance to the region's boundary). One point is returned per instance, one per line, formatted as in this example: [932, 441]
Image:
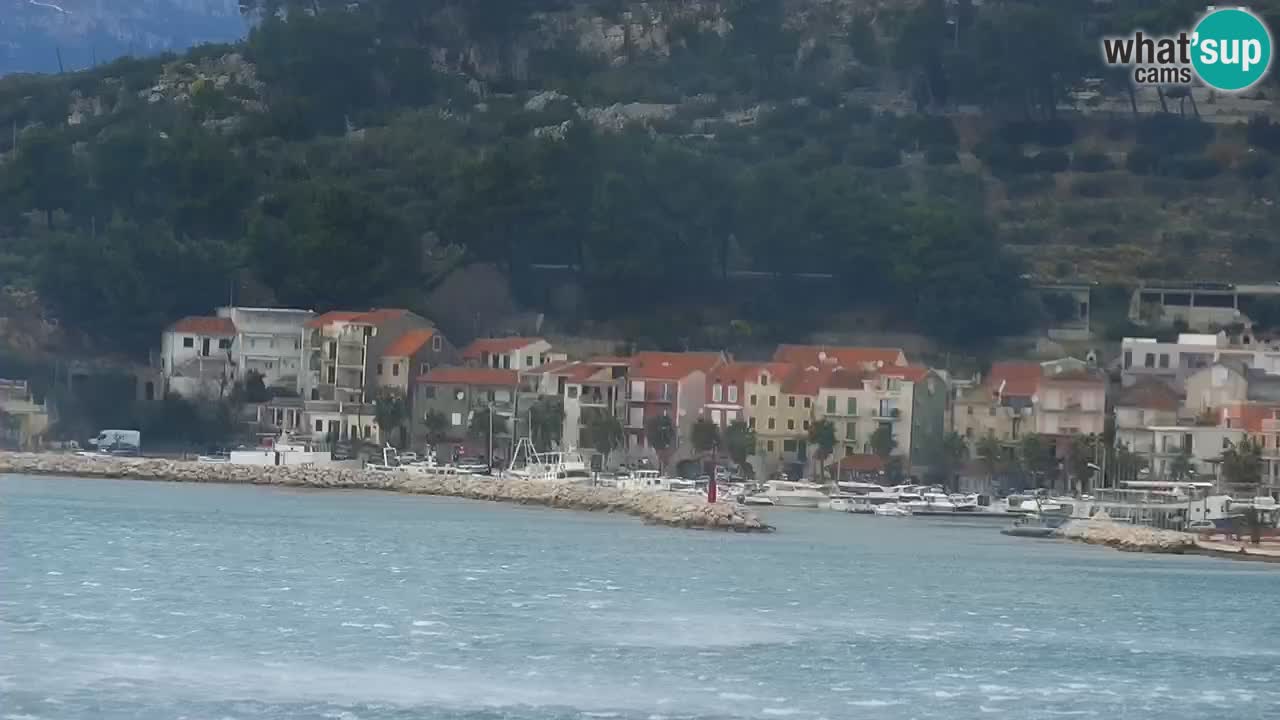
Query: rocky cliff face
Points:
[33, 33]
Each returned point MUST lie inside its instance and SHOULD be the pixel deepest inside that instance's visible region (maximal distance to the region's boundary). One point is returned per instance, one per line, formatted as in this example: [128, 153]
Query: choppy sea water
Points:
[149, 600]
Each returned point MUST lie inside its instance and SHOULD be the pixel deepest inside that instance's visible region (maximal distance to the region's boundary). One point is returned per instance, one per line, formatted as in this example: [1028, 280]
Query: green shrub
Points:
[1049, 133]
[1091, 161]
[1191, 167]
[1104, 237]
[874, 156]
[1172, 133]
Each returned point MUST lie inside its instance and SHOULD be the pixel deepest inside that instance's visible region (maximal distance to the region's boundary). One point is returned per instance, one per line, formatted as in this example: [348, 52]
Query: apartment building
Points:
[1145, 404]
[509, 353]
[584, 387]
[670, 384]
[268, 341]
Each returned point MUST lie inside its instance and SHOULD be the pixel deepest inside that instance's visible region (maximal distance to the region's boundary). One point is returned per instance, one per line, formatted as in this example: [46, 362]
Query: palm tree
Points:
[989, 452]
[739, 442]
[390, 412]
[436, 426]
[822, 436]
[602, 431]
[705, 436]
[546, 421]
[882, 441]
[661, 434]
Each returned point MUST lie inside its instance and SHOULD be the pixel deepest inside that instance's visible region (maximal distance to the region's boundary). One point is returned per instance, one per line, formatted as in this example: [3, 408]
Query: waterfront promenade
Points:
[657, 508]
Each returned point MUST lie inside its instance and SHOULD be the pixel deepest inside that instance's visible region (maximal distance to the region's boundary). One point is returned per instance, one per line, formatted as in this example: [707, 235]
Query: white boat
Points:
[891, 511]
[964, 503]
[841, 503]
[284, 451]
[556, 467]
[760, 500]
[790, 493]
[929, 501]
[654, 481]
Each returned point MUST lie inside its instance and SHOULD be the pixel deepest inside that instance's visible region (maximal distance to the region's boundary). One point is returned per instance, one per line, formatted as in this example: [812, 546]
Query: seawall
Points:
[657, 508]
[1101, 530]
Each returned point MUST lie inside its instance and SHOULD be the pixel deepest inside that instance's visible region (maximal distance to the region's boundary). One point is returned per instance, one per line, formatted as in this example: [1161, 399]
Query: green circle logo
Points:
[1231, 49]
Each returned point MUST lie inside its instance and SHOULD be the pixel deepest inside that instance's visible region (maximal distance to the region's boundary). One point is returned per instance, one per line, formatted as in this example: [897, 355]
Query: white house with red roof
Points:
[197, 356]
[583, 387]
[509, 353]
[269, 341]
[671, 384]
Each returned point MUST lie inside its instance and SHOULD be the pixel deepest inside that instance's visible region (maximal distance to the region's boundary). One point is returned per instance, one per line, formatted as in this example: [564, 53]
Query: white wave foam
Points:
[872, 703]
[428, 623]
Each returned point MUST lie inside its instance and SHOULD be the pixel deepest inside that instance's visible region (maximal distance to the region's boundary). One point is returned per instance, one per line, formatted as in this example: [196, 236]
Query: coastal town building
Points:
[848, 357]
[26, 421]
[458, 393]
[1002, 405]
[416, 352]
[780, 400]
[1201, 444]
[671, 384]
[509, 353]
[726, 396]
[197, 357]
[583, 387]
[1071, 399]
[268, 341]
[1201, 305]
[1217, 385]
[1147, 403]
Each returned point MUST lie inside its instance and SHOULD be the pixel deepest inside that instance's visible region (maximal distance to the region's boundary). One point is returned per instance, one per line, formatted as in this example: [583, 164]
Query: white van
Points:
[118, 442]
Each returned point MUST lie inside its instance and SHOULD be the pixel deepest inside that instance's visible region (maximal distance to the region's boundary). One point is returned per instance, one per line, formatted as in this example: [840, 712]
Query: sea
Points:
[152, 601]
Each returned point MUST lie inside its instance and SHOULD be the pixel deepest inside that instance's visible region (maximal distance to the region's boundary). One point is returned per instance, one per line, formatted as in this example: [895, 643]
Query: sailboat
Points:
[565, 466]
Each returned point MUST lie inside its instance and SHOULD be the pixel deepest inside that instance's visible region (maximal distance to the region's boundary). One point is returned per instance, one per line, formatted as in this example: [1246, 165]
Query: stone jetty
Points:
[1102, 530]
[656, 508]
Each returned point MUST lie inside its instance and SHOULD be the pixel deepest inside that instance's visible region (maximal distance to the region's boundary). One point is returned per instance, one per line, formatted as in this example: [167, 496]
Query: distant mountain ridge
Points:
[33, 33]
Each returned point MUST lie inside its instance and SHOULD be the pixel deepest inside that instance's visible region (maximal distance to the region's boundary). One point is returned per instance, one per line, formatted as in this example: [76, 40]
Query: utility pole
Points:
[490, 455]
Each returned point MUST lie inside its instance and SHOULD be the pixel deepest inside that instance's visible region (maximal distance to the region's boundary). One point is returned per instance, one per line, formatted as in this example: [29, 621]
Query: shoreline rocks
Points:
[653, 508]
[1101, 530]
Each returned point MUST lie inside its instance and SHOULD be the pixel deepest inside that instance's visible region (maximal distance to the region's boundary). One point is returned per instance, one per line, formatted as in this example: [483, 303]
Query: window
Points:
[806, 424]
[716, 417]
[297, 344]
[894, 384]
[770, 423]
[753, 401]
[424, 368]
[368, 431]
[853, 406]
[436, 344]
[831, 404]
[733, 393]
[991, 411]
[768, 444]
[1164, 360]
[188, 342]
[395, 369]
[456, 419]
[637, 389]
[968, 433]
[764, 379]
[970, 411]
[791, 424]
[1226, 444]
[572, 391]
[773, 401]
[791, 401]
[751, 423]
[1149, 360]
[319, 426]
[528, 361]
[379, 369]
[506, 362]
[808, 403]
[789, 445]
[717, 392]
[851, 431]
[253, 342]
[429, 392]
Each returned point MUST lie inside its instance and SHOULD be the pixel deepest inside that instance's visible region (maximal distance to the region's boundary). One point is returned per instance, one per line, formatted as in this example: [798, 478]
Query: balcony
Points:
[351, 356]
[593, 398]
[886, 413]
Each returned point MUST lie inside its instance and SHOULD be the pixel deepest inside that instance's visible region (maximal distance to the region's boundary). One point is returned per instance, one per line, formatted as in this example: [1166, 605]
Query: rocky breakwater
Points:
[657, 508]
[1102, 530]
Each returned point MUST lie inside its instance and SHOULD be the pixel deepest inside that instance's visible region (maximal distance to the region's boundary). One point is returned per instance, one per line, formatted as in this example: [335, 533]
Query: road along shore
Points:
[656, 508]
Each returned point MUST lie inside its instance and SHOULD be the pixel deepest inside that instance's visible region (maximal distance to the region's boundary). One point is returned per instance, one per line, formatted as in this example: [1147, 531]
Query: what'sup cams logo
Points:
[1228, 49]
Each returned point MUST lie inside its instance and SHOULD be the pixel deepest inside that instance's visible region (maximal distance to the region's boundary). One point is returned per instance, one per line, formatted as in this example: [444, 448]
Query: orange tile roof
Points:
[846, 356]
[1250, 415]
[471, 376]
[845, 379]
[806, 380]
[914, 373]
[331, 317]
[370, 317]
[671, 365]
[734, 372]
[1149, 394]
[408, 343]
[204, 325]
[497, 345]
[1019, 378]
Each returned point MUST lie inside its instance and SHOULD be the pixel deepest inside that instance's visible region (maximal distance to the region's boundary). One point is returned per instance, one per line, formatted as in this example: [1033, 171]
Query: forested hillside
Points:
[932, 158]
